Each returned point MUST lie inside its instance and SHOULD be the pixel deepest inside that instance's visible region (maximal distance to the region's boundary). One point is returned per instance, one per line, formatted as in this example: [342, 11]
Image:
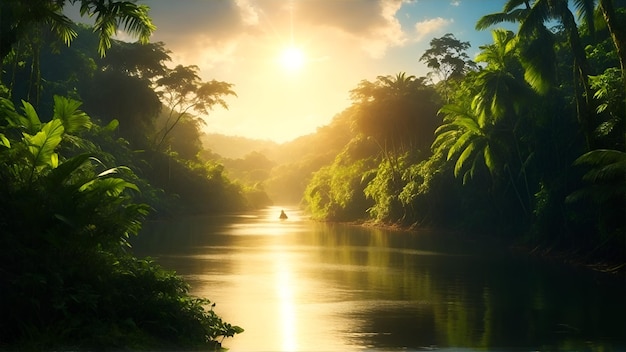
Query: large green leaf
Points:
[41, 146]
[606, 164]
[111, 186]
[31, 123]
[7, 110]
[460, 144]
[66, 110]
[66, 169]
[460, 162]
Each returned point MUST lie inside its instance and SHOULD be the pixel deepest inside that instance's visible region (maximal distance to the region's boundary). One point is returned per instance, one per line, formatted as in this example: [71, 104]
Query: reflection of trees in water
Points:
[403, 289]
[471, 301]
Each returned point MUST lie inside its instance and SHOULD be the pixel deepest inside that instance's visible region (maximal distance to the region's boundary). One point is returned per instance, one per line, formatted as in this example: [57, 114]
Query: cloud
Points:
[371, 24]
[430, 26]
[455, 3]
[249, 14]
[388, 34]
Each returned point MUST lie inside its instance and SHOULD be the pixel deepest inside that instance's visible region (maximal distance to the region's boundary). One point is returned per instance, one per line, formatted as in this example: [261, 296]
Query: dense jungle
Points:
[523, 144]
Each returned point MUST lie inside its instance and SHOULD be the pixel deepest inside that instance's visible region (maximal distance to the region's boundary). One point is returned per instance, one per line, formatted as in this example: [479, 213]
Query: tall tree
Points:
[448, 59]
[532, 20]
[183, 92]
[398, 112]
[484, 129]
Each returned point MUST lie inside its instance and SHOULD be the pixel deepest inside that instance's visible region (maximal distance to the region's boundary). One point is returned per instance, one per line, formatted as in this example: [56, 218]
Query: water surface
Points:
[297, 285]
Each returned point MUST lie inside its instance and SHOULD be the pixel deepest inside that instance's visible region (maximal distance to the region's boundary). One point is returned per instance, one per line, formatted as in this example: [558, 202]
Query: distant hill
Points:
[283, 169]
[235, 147]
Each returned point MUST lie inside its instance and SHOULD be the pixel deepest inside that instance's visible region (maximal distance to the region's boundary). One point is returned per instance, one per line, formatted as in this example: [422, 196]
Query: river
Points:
[299, 285]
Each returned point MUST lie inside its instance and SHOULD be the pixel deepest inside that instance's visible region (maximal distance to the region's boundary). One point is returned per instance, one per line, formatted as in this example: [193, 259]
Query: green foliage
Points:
[398, 113]
[448, 58]
[17, 17]
[182, 91]
[336, 192]
[66, 278]
[516, 133]
[383, 189]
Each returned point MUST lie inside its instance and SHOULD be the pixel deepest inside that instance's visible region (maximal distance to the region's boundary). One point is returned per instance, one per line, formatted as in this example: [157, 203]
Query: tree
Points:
[532, 27]
[126, 76]
[397, 112]
[448, 59]
[485, 126]
[182, 91]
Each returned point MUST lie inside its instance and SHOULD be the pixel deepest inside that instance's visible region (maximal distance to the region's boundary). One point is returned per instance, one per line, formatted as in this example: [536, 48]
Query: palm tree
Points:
[467, 139]
[484, 130]
[397, 112]
[532, 26]
[17, 17]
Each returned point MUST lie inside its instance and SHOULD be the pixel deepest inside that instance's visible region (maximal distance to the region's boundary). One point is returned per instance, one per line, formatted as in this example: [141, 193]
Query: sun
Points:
[292, 58]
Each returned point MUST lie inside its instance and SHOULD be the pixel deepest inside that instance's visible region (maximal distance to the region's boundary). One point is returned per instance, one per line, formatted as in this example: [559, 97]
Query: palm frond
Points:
[468, 123]
[67, 111]
[539, 14]
[62, 26]
[460, 144]
[466, 154]
[511, 5]
[607, 164]
[500, 17]
[30, 121]
[538, 58]
[490, 160]
[585, 10]
[110, 186]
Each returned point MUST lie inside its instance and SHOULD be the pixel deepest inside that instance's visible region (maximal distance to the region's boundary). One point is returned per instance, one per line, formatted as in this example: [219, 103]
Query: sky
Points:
[294, 62]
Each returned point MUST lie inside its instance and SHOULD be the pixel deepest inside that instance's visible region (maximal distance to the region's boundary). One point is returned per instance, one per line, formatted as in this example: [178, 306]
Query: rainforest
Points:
[523, 144]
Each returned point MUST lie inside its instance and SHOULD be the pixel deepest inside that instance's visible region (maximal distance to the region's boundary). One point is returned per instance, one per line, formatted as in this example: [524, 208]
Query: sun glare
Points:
[292, 59]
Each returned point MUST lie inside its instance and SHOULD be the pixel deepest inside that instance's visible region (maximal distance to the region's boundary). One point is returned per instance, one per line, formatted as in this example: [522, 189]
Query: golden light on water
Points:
[284, 288]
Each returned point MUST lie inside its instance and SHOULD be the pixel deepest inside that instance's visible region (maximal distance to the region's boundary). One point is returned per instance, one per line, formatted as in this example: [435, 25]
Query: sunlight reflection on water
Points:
[295, 285]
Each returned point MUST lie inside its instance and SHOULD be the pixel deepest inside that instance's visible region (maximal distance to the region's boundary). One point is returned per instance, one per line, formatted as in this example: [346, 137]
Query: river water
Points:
[298, 285]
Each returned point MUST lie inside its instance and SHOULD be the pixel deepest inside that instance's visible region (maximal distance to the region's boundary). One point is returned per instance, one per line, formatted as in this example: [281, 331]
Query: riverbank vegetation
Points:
[526, 143]
[95, 137]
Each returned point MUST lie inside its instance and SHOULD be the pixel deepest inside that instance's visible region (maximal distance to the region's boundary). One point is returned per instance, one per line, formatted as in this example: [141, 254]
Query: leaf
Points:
[489, 159]
[42, 145]
[7, 109]
[460, 144]
[469, 150]
[4, 141]
[66, 110]
[32, 123]
[113, 170]
[112, 126]
[606, 164]
[110, 186]
[65, 169]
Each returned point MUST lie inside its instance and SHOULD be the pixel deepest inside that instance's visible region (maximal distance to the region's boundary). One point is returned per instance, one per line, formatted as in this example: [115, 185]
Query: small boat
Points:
[283, 216]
